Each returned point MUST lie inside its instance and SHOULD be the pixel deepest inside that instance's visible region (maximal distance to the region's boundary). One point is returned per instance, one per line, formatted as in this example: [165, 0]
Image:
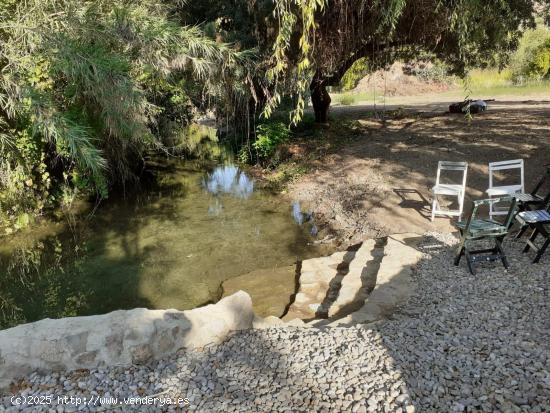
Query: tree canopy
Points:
[88, 87]
[319, 40]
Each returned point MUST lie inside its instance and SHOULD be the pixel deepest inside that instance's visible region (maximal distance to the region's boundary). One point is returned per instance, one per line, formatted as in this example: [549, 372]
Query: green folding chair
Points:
[476, 229]
[537, 220]
[535, 200]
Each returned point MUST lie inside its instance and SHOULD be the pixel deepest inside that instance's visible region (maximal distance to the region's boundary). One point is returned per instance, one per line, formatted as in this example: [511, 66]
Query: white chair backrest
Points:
[506, 165]
[452, 166]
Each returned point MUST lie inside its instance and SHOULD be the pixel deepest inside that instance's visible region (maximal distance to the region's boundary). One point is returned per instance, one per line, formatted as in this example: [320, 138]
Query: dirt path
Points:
[379, 181]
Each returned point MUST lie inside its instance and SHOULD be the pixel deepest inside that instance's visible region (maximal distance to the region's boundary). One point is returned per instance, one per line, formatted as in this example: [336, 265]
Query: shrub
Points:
[347, 99]
[529, 60]
[87, 88]
[538, 66]
[436, 72]
[358, 70]
[269, 136]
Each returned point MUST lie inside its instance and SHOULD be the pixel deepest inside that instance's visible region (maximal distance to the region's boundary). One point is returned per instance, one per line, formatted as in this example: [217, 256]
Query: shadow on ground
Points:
[375, 173]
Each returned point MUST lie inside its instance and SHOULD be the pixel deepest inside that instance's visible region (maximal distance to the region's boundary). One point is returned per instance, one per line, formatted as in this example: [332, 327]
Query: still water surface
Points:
[169, 246]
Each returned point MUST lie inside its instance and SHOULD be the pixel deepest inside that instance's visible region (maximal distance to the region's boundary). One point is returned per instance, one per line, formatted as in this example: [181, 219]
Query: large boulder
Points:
[119, 338]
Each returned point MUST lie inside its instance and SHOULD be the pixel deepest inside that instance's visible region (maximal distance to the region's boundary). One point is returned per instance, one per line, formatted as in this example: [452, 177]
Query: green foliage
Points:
[528, 62]
[269, 136]
[538, 66]
[479, 79]
[244, 155]
[87, 87]
[25, 183]
[358, 70]
[199, 142]
[462, 33]
[288, 19]
[348, 99]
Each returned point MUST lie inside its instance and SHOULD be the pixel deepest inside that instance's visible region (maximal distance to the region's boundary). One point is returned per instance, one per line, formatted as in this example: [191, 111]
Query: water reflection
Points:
[297, 213]
[229, 180]
[39, 282]
[215, 208]
[168, 246]
[301, 218]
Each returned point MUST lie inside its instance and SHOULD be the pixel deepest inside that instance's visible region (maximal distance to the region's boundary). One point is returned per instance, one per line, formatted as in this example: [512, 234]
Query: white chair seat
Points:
[504, 190]
[447, 189]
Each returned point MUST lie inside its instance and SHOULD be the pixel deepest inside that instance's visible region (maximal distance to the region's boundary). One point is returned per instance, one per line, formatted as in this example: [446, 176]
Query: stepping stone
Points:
[360, 278]
[271, 289]
[317, 277]
[393, 284]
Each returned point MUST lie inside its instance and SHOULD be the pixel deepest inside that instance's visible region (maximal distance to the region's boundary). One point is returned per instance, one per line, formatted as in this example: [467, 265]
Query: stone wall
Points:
[120, 338]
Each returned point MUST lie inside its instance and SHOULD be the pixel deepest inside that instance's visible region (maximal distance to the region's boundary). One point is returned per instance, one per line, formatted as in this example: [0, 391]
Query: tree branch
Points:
[365, 50]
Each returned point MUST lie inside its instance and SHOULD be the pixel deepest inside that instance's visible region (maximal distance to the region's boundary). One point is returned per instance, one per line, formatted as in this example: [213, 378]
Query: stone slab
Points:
[271, 289]
[119, 338]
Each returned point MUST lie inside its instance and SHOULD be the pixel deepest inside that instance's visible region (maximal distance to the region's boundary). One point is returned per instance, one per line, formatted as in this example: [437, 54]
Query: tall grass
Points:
[488, 79]
[348, 99]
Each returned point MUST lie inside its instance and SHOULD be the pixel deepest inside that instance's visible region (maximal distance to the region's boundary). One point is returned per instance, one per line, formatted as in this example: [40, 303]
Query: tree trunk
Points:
[320, 98]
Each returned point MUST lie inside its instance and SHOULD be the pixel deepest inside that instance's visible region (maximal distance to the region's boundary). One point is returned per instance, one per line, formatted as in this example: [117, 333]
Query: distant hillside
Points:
[405, 80]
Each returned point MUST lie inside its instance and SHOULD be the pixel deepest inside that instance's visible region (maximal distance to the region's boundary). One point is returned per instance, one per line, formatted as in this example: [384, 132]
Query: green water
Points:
[167, 246]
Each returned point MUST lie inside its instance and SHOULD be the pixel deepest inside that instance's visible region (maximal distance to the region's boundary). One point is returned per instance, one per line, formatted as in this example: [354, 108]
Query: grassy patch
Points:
[348, 99]
[487, 83]
[488, 79]
[356, 97]
[285, 174]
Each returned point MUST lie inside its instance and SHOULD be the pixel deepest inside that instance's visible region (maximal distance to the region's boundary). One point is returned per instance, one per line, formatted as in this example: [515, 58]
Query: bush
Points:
[528, 62]
[347, 100]
[25, 184]
[428, 72]
[269, 136]
[87, 88]
[538, 66]
[358, 70]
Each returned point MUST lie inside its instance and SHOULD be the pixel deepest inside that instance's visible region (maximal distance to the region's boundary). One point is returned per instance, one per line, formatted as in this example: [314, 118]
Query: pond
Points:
[169, 245]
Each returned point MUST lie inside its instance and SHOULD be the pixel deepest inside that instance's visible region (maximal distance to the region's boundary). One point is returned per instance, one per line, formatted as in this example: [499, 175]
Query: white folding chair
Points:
[504, 190]
[449, 189]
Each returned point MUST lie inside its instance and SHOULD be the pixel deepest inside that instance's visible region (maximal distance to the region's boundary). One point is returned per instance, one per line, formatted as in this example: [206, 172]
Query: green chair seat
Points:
[476, 229]
[480, 227]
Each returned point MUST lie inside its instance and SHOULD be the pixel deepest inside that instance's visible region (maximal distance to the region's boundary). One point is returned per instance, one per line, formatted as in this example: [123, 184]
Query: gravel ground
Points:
[462, 343]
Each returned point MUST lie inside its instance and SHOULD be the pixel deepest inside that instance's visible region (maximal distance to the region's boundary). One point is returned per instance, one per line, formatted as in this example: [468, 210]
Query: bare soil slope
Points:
[396, 82]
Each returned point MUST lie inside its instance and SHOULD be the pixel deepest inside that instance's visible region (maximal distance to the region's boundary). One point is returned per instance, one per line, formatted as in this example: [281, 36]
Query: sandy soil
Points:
[375, 176]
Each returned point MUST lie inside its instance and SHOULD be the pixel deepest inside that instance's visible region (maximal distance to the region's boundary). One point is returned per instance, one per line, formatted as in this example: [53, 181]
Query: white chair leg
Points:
[434, 203]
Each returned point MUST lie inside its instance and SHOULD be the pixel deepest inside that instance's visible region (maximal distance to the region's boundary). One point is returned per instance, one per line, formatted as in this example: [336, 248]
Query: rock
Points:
[141, 354]
[267, 322]
[117, 338]
[269, 288]
[459, 343]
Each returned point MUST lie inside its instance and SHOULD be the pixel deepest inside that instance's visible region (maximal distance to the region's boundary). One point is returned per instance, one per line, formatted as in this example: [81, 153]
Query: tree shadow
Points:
[127, 254]
[403, 153]
[437, 352]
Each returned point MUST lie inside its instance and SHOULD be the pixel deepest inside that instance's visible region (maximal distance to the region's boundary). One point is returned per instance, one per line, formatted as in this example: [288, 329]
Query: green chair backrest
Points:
[539, 185]
[476, 204]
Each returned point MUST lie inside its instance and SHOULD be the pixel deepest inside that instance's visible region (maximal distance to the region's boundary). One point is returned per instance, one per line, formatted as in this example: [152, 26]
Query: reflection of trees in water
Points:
[229, 180]
[43, 280]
